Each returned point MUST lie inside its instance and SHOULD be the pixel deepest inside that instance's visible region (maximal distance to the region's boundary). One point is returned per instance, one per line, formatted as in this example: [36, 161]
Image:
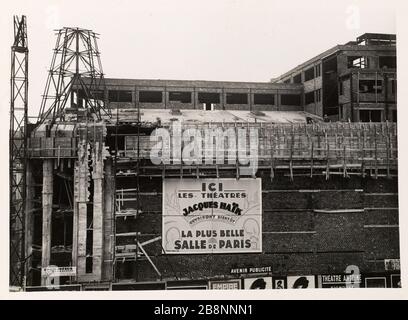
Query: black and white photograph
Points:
[201, 145]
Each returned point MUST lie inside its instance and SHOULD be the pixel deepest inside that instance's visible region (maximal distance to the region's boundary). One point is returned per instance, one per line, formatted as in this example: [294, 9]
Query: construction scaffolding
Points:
[128, 248]
[331, 148]
[66, 95]
[18, 150]
[67, 140]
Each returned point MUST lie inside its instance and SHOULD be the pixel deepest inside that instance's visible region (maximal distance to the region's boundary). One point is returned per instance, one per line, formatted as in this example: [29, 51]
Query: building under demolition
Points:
[318, 209]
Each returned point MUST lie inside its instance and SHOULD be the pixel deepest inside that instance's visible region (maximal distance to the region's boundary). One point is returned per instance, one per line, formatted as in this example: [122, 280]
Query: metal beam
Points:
[74, 80]
[18, 150]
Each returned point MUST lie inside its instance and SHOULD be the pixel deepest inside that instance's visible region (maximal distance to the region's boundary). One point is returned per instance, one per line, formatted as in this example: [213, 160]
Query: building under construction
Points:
[355, 81]
[98, 213]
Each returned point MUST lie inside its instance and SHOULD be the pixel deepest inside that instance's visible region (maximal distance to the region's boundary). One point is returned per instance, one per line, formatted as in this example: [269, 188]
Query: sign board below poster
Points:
[258, 283]
[187, 285]
[234, 284]
[301, 282]
[212, 216]
[139, 286]
[71, 287]
[188, 288]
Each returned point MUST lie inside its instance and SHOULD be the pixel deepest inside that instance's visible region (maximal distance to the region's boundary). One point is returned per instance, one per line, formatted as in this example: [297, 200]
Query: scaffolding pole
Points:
[18, 150]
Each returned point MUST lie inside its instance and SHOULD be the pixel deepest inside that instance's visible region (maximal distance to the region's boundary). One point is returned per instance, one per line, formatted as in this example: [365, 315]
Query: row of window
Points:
[370, 86]
[376, 116]
[360, 62]
[370, 115]
[203, 97]
[363, 62]
[309, 74]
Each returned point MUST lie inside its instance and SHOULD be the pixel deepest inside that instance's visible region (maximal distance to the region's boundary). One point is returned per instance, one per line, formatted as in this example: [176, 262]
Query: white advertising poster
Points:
[259, 283]
[212, 216]
[54, 271]
[234, 284]
[301, 282]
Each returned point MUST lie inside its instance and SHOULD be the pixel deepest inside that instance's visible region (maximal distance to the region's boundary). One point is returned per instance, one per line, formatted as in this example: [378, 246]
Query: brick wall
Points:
[310, 225]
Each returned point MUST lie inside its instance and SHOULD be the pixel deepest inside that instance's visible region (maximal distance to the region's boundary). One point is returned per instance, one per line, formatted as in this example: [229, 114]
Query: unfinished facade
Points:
[351, 82]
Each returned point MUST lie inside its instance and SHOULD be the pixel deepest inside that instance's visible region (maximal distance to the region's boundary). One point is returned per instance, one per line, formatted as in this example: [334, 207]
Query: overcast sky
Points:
[199, 40]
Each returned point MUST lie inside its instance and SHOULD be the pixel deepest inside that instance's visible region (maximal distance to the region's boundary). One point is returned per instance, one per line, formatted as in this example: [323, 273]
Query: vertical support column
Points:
[351, 101]
[108, 222]
[195, 98]
[97, 176]
[223, 97]
[250, 99]
[165, 93]
[376, 91]
[47, 196]
[75, 221]
[358, 91]
[386, 116]
[81, 246]
[29, 225]
[136, 100]
[80, 213]
[314, 89]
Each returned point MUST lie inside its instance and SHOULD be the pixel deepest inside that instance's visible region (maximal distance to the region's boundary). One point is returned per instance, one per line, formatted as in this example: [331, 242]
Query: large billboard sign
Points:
[212, 216]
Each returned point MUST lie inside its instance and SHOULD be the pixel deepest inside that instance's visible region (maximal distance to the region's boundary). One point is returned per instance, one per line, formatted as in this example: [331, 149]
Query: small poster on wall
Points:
[375, 282]
[395, 281]
[301, 282]
[259, 283]
[279, 283]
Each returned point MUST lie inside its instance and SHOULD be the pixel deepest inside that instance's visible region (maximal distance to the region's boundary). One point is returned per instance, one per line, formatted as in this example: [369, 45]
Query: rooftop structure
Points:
[351, 82]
